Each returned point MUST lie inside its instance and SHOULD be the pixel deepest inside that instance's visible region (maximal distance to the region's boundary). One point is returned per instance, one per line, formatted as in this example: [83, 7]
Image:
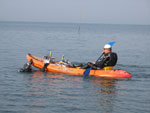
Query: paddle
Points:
[87, 71]
[111, 43]
[99, 57]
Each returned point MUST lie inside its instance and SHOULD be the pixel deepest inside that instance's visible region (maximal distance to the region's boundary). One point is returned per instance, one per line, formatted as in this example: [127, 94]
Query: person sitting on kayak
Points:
[108, 59]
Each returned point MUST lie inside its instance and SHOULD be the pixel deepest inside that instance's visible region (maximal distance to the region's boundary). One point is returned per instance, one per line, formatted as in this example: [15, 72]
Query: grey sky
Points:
[90, 11]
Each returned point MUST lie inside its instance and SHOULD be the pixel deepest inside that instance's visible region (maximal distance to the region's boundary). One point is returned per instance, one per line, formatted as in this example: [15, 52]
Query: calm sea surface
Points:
[39, 92]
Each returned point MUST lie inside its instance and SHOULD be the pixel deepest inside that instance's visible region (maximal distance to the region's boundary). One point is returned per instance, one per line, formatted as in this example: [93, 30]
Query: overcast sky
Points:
[75, 11]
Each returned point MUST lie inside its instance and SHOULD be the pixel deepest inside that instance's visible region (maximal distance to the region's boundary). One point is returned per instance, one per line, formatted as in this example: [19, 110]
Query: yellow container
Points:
[108, 68]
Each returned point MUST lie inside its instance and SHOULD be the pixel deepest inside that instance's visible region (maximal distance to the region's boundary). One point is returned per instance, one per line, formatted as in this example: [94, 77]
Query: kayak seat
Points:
[108, 68]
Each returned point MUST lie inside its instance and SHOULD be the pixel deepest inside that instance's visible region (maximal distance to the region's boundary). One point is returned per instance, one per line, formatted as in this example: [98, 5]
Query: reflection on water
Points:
[107, 93]
[107, 86]
[49, 89]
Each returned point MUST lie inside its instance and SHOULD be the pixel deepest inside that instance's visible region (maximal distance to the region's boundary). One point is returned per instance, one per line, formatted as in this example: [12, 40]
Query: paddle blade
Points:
[86, 72]
[111, 43]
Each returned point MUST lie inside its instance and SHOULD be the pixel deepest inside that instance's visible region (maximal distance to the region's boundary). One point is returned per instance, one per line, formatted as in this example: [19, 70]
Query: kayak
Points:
[60, 67]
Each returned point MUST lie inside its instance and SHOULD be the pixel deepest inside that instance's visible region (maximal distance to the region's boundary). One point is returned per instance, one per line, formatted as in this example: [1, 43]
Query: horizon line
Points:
[18, 21]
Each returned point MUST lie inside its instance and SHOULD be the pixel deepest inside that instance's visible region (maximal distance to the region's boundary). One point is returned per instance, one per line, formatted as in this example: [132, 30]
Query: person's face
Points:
[106, 51]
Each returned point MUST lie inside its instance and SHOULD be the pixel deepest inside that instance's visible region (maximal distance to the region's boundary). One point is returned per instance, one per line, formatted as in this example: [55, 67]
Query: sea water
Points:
[43, 92]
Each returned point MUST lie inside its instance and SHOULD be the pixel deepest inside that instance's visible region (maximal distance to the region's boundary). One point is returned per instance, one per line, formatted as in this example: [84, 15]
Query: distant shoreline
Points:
[30, 22]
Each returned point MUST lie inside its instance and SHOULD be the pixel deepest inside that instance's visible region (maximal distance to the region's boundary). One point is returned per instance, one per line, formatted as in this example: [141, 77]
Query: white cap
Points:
[107, 46]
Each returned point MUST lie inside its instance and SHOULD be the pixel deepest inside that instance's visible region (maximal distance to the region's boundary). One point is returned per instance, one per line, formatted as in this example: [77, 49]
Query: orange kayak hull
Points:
[58, 68]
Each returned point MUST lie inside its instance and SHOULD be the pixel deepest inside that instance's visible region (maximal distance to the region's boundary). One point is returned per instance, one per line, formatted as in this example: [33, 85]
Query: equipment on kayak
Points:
[44, 67]
[71, 70]
[50, 54]
[27, 67]
[46, 61]
[63, 58]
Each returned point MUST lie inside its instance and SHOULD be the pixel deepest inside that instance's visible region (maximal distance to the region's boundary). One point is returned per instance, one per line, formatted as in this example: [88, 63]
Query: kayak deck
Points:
[68, 69]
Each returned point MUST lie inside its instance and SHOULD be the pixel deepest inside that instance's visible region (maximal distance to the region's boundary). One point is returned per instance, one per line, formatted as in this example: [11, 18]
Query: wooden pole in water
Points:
[80, 22]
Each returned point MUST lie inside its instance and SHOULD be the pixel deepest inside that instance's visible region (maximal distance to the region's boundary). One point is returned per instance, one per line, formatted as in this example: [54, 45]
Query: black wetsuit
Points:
[108, 59]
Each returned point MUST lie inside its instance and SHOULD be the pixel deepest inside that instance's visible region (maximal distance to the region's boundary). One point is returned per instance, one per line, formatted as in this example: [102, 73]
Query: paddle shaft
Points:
[99, 57]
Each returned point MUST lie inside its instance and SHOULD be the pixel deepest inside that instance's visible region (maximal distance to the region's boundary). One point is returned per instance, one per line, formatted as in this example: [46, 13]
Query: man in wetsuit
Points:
[108, 59]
